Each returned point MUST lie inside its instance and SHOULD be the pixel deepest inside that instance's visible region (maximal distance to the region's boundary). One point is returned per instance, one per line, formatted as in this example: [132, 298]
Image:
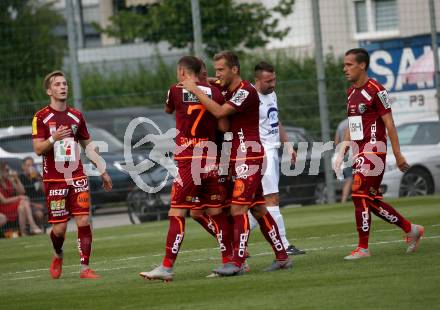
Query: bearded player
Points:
[242, 108]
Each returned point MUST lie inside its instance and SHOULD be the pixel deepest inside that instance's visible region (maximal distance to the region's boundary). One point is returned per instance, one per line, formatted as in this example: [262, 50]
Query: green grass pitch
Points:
[321, 279]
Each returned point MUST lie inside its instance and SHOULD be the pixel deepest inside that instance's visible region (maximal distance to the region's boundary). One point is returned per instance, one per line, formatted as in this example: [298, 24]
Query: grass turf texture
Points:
[321, 279]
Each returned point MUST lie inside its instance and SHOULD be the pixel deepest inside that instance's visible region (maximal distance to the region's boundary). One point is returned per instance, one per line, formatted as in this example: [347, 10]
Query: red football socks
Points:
[224, 236]
[57, 243]
[269, 229]
[241, 237]
[389, 214]
[363, 220]
[207, 223]
[176, 232]
[84, 243]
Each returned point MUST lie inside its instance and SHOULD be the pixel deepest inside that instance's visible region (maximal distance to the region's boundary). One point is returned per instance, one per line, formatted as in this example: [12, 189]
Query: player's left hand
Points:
[189, 85]
[292, 153]
[401, 163]
[106, 182]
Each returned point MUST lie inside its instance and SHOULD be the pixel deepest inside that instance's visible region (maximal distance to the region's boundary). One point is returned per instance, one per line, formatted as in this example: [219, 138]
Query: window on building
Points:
[375, 18]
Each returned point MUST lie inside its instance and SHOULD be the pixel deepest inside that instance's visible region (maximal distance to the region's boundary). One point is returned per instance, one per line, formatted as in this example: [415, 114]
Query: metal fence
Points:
[122, 54]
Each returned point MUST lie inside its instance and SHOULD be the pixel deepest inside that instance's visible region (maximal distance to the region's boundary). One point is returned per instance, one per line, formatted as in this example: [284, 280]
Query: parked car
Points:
[116, 122]
[309, 187]
[16, 142]
[420, 144]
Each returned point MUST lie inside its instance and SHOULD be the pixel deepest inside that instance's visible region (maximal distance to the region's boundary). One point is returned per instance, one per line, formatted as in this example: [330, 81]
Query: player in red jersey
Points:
[196, 185]
[242, 108]
[370, 118]
[213, 220]
[56, 130]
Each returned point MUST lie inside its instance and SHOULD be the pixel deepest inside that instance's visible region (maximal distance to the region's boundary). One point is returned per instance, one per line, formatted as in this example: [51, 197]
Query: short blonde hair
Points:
[49, 78]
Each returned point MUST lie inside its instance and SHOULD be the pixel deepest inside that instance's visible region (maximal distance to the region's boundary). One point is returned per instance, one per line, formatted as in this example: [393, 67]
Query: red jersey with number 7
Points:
[194, 123]
[62, 162]
[365, 107]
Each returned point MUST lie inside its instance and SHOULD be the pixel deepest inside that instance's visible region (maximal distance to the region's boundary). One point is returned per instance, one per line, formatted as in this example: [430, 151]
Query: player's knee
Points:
[82, 220]
[258, 211]
[272, 199]
[196, 214]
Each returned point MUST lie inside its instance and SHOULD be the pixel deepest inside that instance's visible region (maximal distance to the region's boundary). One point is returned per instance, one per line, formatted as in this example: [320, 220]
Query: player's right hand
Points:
[401, 163]
[61, 133]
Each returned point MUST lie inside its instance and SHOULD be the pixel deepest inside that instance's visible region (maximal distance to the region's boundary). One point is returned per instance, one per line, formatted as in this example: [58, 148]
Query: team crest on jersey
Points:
[239, 97]
[74, 129]
[362, 107]
[384, 98]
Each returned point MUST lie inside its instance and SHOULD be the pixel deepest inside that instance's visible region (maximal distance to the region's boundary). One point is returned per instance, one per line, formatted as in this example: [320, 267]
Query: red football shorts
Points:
[64, 200]
[198, 188]
[368, 170]
[246, 178]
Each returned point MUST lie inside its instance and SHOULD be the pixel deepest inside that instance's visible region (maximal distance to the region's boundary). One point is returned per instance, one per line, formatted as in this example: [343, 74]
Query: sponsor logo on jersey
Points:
[373, 133]
[384, 98]
[241, 171]
[272, 115]
[190, 97]
[80, 183]
[58, 204]
[239, 188]
[241, 139]
[239, 97]
[83, 200]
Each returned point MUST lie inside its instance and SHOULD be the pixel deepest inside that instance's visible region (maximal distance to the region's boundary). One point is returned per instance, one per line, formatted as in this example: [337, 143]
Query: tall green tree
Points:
[225, 23]
[29, 47]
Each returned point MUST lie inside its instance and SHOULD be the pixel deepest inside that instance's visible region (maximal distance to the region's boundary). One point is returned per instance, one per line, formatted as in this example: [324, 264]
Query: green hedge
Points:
[104, 89]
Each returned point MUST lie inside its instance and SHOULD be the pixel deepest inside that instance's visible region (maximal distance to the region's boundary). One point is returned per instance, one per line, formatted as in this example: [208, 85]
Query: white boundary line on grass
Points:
[203, 259]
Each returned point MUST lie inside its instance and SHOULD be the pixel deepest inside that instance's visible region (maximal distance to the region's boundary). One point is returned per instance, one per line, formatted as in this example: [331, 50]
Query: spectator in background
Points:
[13, 203]
[347, 171]
[33, 186]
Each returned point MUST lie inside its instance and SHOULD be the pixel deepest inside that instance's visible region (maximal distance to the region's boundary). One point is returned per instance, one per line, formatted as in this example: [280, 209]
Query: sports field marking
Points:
[198, 259]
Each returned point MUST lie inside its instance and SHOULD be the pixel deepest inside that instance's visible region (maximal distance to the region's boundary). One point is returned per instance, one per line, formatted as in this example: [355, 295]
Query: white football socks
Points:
[278, 218]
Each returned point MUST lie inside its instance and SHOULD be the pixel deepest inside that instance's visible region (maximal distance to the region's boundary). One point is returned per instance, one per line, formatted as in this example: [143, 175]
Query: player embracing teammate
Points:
[240, 105]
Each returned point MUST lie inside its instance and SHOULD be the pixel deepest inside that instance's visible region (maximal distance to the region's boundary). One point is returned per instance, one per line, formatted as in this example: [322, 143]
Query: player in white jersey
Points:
[272, 134]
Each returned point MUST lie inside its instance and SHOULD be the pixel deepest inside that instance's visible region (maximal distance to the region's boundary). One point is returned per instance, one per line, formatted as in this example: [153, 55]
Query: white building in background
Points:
[344, 24]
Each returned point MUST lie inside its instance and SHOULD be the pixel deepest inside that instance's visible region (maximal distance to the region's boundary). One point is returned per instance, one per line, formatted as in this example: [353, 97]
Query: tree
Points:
[29, 47]
[225, 24]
